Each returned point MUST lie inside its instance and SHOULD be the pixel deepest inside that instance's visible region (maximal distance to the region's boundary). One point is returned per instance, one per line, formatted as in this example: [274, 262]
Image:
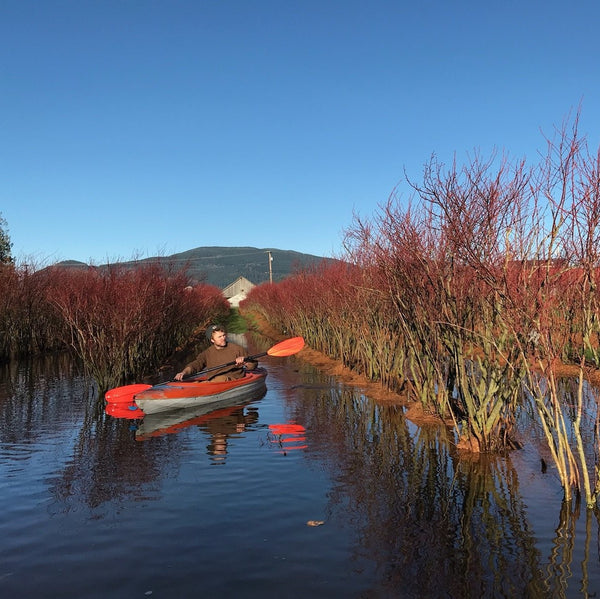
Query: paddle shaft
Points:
[283, 348]
[246, 359]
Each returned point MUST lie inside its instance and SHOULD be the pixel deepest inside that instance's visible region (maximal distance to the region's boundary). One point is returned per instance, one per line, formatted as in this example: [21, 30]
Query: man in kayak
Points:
[221, 351]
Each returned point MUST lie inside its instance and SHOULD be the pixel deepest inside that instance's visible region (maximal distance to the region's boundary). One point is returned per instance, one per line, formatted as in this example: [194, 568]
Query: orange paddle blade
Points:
[287, 347]
[121, 410]
[124, 394]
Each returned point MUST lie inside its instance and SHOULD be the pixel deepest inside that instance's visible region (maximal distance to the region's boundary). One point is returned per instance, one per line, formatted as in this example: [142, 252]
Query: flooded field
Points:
[311, 489]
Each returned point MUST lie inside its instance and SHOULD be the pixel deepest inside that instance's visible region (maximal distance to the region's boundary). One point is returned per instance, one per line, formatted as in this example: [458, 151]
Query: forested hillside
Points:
[222, 265]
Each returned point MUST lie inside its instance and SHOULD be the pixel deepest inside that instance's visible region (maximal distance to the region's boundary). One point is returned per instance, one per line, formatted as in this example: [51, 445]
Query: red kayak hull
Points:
[197, 392]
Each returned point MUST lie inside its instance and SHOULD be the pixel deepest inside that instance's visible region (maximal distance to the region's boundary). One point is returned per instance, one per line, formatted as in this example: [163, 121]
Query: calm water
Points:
[220, 504]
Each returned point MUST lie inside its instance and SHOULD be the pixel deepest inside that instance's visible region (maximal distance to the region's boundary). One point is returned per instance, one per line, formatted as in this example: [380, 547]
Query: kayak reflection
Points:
[220, 422]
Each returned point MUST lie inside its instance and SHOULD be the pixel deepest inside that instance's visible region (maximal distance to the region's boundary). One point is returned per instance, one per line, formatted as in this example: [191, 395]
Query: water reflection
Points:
[170, 422]
[431, 524]
[38, 398]
[287, 436]
[562, 567]
[218, 423]
[436, 526]
[106, 467]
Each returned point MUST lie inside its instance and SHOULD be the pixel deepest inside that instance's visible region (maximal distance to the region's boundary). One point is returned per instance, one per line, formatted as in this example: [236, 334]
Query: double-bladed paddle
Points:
[279, 350]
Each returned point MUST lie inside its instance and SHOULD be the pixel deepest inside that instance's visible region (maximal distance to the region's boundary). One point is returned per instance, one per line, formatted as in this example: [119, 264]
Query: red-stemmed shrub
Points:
[123, 322]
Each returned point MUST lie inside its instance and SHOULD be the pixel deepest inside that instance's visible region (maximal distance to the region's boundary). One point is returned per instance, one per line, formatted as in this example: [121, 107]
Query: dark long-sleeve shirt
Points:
[214, 356]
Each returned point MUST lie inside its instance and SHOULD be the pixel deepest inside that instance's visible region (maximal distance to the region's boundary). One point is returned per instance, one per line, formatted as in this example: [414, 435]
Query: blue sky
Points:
[145, 127]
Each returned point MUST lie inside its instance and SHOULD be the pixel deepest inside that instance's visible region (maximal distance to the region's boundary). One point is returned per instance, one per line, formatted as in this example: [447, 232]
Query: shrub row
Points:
[121, 322]
[472, 293]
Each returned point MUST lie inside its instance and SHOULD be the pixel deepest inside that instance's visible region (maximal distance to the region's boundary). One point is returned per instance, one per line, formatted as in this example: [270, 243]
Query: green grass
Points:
[236, 323]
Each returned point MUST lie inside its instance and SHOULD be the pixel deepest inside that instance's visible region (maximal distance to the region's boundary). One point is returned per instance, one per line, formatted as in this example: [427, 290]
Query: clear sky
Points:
[133, 128]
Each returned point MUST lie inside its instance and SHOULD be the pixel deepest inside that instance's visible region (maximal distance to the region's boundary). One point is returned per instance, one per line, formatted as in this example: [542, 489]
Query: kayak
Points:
[195, 392]
[137, 400]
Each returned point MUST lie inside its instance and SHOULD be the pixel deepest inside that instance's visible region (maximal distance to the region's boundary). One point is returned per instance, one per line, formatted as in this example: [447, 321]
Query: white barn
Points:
[235, 292]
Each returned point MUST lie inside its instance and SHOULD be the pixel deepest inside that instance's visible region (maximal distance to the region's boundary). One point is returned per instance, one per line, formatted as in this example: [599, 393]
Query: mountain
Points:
[220, 266]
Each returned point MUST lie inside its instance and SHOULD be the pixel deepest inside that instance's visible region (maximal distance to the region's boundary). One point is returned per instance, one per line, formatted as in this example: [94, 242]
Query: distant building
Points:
[237, 291]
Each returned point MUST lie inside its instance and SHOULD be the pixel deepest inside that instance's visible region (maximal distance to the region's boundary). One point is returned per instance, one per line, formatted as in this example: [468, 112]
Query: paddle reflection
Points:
[287, 437]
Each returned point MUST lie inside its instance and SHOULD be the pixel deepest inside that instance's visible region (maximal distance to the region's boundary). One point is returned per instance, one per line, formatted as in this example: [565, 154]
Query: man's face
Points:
[219, 338]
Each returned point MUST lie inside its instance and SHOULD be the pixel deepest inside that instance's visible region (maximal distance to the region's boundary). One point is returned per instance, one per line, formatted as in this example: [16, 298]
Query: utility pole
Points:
[270, 267]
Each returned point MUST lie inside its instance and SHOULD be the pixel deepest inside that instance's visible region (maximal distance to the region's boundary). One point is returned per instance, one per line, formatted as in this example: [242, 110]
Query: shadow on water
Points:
[428, 523]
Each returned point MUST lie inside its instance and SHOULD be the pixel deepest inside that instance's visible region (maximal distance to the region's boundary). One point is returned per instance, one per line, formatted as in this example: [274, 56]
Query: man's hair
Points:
[214, 328]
